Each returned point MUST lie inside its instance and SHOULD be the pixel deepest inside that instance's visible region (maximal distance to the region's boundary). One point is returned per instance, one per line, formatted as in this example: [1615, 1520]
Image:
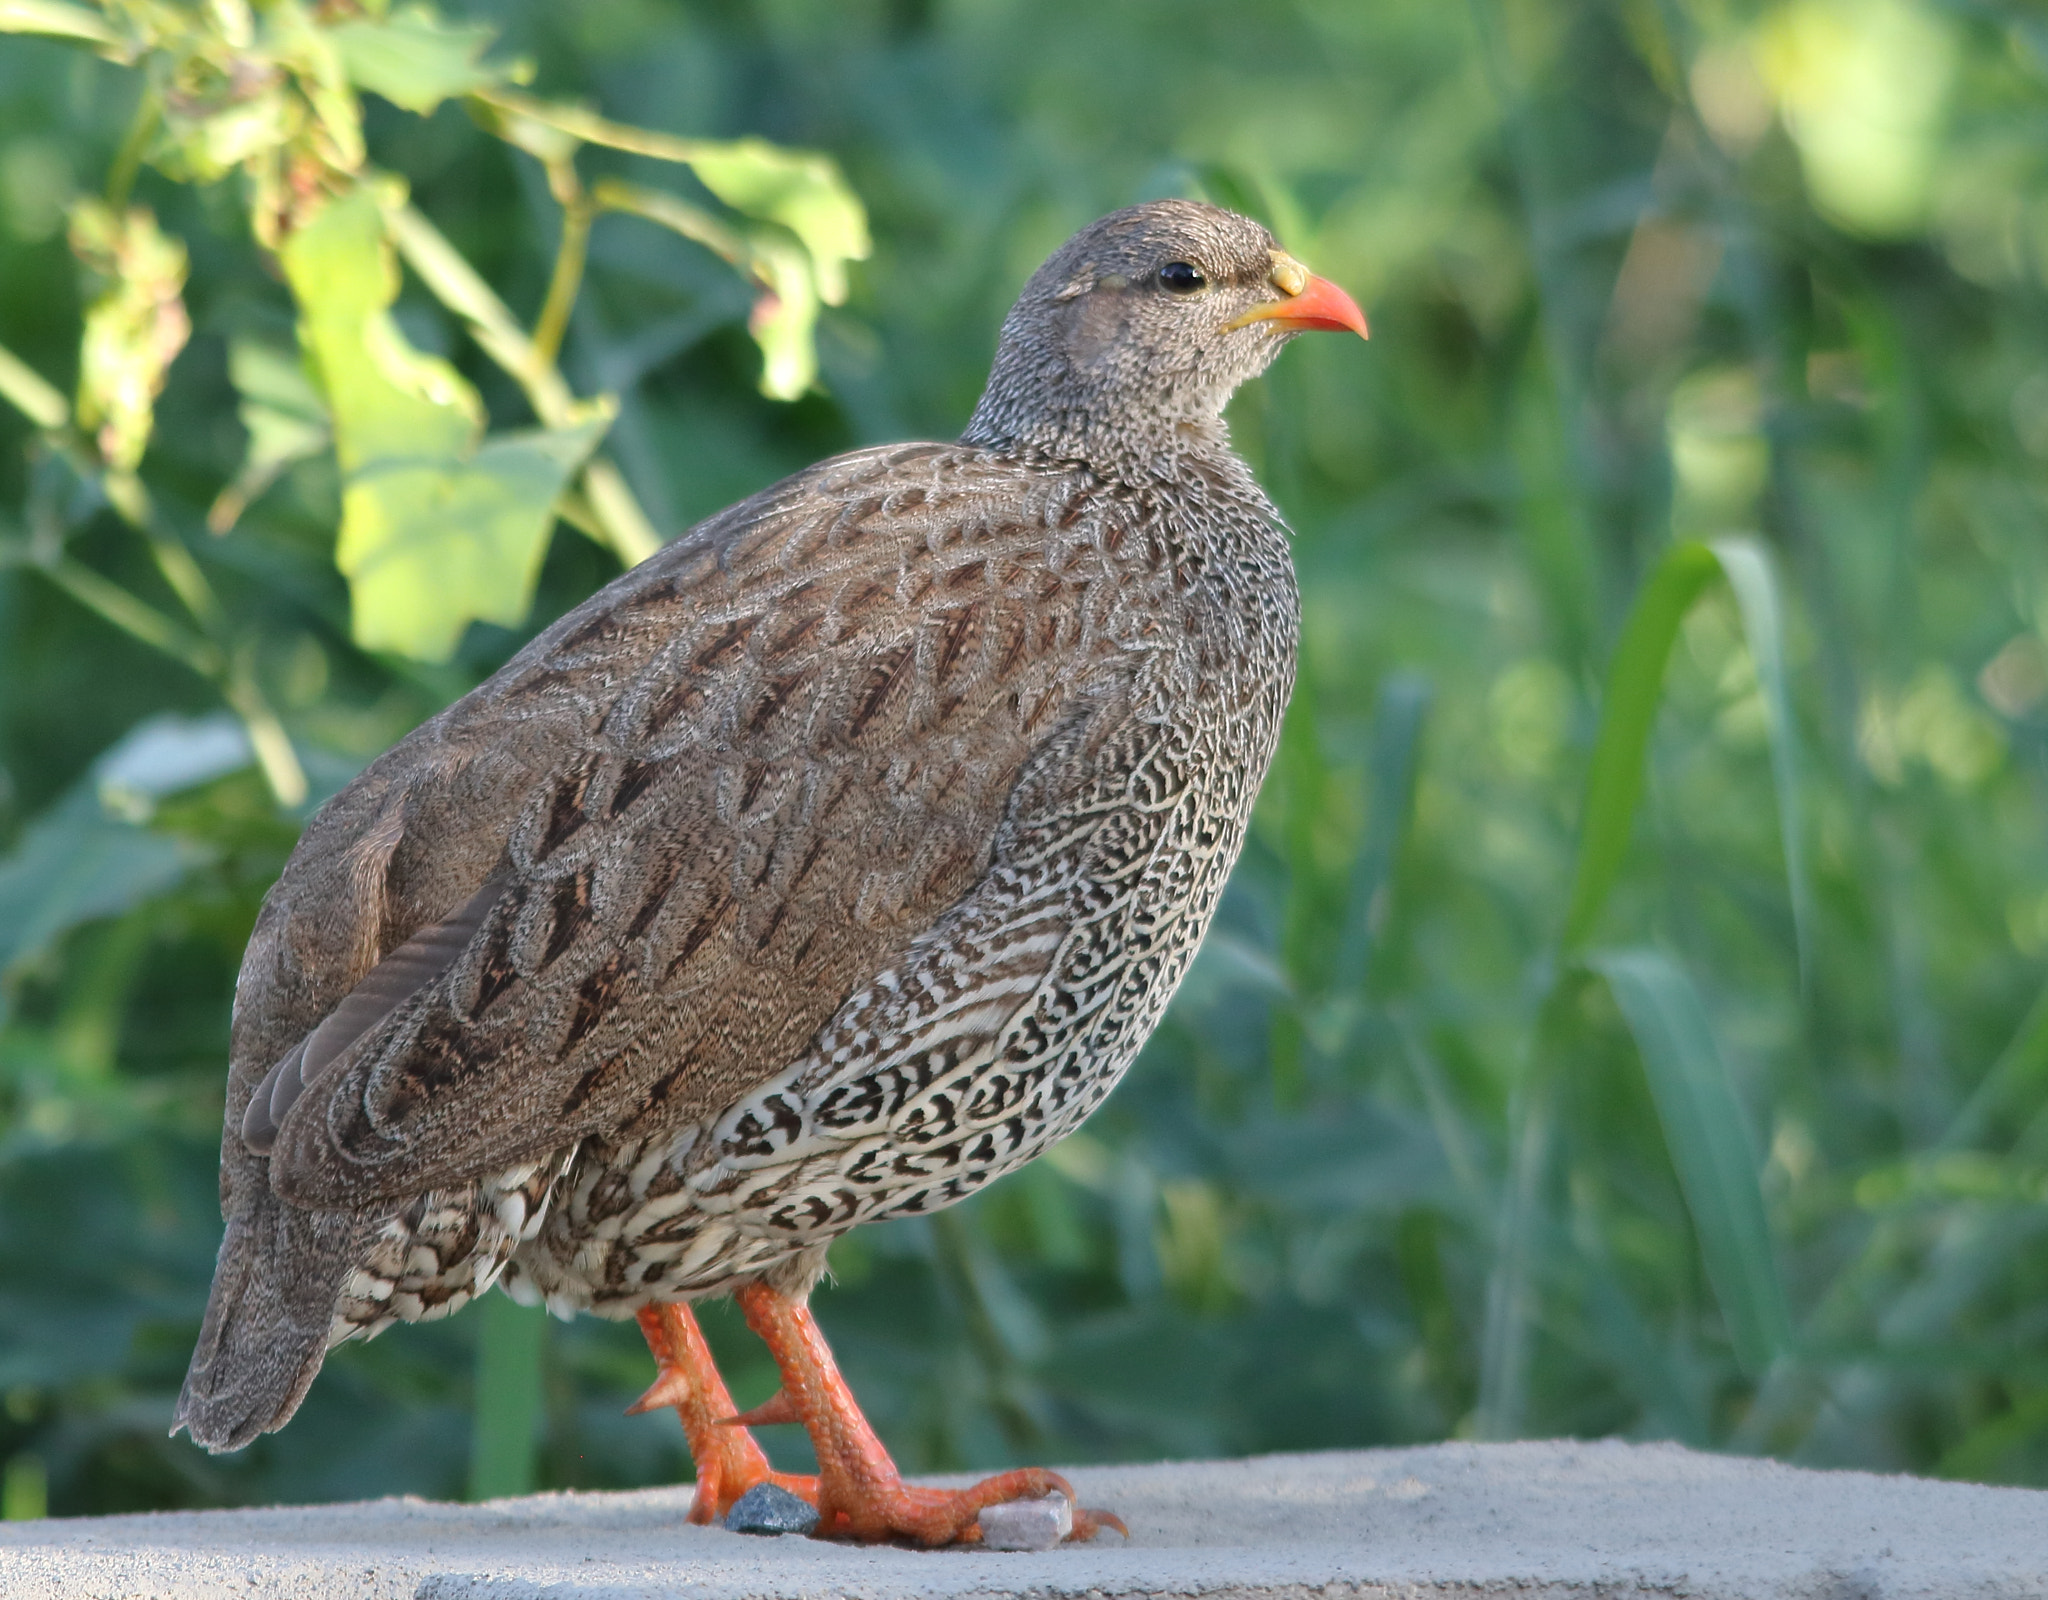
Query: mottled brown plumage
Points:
[825, 866]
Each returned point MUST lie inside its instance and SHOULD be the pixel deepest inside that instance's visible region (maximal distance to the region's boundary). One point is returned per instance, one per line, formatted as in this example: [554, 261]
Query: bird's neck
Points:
[1126, 449]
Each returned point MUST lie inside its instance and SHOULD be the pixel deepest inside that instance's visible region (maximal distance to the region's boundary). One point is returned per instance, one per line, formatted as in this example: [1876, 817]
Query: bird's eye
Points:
[1182, 277]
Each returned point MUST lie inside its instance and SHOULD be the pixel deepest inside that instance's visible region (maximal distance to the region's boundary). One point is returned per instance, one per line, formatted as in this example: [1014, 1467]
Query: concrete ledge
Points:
[1531, 1520]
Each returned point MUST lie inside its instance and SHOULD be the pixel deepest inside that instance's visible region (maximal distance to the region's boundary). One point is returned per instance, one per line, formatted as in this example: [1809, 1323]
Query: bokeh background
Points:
[1497, 1105]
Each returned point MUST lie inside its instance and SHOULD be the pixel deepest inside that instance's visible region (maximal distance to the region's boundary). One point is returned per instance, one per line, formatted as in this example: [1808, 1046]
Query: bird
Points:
[825, 866]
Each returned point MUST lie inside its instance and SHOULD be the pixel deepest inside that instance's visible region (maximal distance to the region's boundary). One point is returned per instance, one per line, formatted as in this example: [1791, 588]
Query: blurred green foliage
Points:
[1629, 1014]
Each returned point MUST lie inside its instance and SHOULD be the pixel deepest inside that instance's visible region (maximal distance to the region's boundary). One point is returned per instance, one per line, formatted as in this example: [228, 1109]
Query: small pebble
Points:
[1027, 1524]
[768, 1508]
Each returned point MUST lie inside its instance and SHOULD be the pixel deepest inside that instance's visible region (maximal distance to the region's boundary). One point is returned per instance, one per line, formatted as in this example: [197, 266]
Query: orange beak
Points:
[1308, 303]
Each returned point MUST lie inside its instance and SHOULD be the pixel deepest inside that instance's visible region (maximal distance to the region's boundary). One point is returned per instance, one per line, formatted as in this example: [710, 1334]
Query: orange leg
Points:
[860, 1493]
[729, 1462]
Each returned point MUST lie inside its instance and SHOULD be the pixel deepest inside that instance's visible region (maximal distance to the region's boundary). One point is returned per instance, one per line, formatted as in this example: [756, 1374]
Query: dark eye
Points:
[1182, 278]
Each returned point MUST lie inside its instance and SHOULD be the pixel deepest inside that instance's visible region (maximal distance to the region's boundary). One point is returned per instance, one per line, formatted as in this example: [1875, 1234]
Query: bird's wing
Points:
[629, 878]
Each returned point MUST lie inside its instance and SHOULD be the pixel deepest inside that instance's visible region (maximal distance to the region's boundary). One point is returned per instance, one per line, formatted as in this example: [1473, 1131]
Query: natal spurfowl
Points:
[829, 864]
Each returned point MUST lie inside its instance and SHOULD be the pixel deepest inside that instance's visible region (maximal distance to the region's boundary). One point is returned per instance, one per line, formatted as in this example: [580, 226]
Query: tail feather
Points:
[275, 1287]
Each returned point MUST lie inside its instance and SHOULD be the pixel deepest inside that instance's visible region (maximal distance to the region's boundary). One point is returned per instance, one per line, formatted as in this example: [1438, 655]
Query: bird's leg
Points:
[728, 1461]
[860, 1493]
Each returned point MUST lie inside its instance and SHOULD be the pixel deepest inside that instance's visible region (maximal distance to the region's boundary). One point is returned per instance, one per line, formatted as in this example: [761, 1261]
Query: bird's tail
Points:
[275, 1286]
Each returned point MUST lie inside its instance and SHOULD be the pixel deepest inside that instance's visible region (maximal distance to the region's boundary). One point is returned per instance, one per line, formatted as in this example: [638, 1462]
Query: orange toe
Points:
[860, 1494]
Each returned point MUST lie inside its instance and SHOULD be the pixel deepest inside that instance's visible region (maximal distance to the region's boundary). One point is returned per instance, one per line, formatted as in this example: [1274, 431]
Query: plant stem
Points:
[509, 1401]
[128, 159]
[134, 617]
[455, 283]
[211, 657]
[626, 527]
[692, 222]
[593, 129]
[272, 745]
[567, 279]
[30, 393]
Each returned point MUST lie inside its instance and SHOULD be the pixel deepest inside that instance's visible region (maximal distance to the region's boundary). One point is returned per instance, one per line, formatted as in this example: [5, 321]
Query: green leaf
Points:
[55, 19]
[804, 193]
[285, 417]
[89, 856]
[414, 59]
[1710, 1144]
[438, 527]
[1748, 569]
[429, 545]
[202, 143]
[134, 327]
[1635, 685]
[784, 319]
[785, 316]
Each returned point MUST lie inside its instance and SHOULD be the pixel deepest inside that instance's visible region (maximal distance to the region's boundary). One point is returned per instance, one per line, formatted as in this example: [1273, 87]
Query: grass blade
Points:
[511, 1340]
[1392, 762]
[1710, 1144]
[1749, 574]
[2014, 1079]
[1522, 1224]
[1614, 776]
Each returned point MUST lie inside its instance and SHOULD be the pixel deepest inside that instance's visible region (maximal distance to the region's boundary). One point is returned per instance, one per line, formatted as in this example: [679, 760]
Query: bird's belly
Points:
[996, 1036]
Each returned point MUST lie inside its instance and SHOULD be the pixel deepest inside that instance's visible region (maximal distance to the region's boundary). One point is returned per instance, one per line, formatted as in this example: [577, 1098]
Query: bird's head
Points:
[1135, 333]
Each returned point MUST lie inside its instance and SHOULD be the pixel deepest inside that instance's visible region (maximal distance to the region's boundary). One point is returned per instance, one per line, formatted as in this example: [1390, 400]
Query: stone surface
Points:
[1027, 1524]
[770, 1508]
[1458, 1521]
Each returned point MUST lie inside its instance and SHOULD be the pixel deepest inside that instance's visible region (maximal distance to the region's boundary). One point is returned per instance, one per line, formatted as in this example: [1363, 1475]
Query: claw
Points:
[671, 1387]
[1087, 1524]
[778, 1407]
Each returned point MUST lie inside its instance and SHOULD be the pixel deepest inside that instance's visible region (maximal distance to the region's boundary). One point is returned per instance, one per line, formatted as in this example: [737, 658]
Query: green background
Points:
[1440, 1138]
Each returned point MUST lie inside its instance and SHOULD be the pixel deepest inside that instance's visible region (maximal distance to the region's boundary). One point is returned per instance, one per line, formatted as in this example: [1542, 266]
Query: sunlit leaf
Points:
[1634, 689]
[804, 193]
[203, 143]
[429, 545]
[438, 527]
[784, 320]
[55, 19]
[414, 59]
[134, 327]
[285, 417]
[1711, 1147]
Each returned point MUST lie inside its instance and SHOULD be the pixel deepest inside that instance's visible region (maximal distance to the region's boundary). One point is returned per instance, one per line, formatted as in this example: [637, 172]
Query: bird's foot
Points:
[860, 1494]
[728, 1460]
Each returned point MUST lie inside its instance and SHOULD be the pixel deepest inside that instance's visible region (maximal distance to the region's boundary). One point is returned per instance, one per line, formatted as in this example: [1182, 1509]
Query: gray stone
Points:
[1026, 1524]
[1558, 1521]
[770, 1508]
